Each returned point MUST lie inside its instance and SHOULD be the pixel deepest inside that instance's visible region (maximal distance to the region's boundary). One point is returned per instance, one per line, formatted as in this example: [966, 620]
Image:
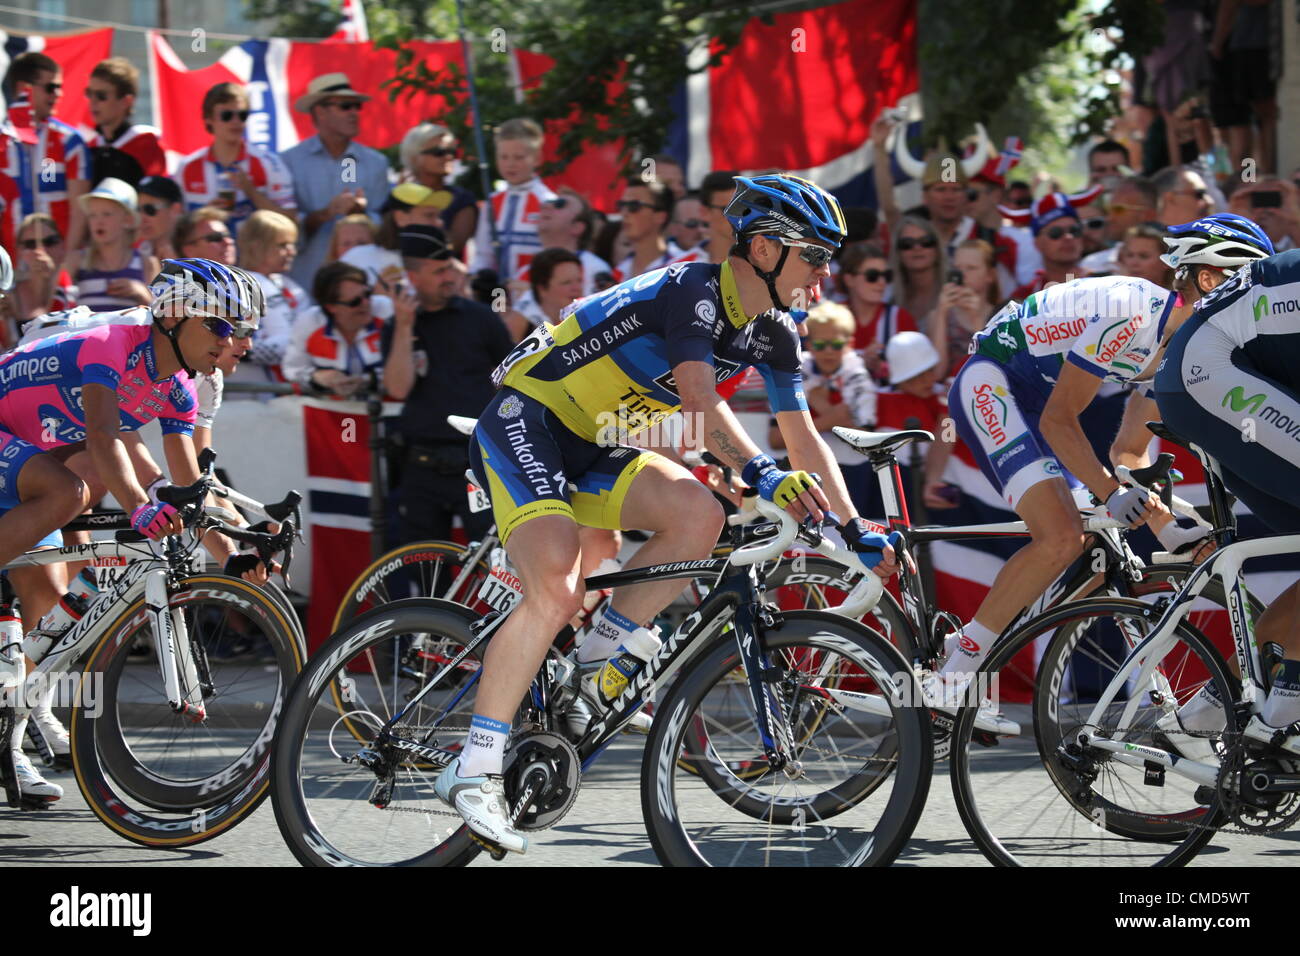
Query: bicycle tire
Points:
[154, 777]
[315, 791]
[1108, 819]
[883, 826]
[434, 565]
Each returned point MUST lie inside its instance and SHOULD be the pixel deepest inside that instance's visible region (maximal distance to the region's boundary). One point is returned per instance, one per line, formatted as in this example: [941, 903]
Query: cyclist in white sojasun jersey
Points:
[1016, 403]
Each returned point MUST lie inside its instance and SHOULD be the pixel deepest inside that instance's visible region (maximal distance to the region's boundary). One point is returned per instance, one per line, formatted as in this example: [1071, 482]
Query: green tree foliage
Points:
[1049, 64]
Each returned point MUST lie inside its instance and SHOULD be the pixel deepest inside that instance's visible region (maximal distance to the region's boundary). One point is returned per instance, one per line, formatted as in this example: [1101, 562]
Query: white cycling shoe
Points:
[946, 693]
[1174, 733]
[481, 803]
[31, 784]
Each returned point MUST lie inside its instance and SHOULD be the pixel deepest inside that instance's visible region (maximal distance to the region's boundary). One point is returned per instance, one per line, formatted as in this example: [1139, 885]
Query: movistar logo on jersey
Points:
[1236, 398]
[1278, 308]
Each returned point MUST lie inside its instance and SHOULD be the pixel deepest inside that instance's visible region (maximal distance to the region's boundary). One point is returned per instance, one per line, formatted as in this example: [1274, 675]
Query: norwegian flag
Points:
[338, 484]
[353, 29]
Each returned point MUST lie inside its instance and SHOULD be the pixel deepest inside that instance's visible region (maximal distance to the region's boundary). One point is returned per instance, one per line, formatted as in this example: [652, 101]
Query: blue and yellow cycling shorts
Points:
[526, 459]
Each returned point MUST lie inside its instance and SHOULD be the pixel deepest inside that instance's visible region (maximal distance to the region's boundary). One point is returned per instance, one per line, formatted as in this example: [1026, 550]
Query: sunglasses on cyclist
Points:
[815, 256]
[819, 344]
[876, 275]
[227, 329]
[355, 301]
[227, 115]
[633, 205]
[925, 242]
[1056, 232]
[46, 241]
[440, 152]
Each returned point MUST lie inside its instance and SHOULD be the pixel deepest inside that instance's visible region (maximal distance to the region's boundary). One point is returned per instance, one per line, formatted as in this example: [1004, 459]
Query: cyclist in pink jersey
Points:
[86, 388]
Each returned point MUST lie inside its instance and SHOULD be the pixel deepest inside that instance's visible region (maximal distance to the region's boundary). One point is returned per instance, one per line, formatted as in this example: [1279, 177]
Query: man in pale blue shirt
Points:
[332, 175]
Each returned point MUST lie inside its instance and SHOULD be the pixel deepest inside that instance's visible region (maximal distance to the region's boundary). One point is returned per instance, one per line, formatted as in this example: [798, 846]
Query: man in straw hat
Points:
[333, 176]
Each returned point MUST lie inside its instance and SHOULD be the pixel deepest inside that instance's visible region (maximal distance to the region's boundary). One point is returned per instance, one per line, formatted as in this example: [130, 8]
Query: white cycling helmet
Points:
[6, 271]
[1225, 241]
[908, 354]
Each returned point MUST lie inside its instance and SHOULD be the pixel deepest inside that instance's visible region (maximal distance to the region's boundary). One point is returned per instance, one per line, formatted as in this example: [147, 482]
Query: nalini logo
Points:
[76, 909]
[989, 411]
[1236, 398]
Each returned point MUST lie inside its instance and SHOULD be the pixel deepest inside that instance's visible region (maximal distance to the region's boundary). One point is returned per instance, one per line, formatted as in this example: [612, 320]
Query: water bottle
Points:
[55, 624]
[12, 668]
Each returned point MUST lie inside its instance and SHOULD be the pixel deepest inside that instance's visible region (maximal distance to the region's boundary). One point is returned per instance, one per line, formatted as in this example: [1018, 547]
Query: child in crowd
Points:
[349, 232]
[916, 393]
[112, 272]
[514, 209]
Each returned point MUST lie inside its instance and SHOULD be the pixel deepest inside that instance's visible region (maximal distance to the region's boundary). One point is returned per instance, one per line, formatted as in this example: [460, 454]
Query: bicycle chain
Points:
[1230, 803]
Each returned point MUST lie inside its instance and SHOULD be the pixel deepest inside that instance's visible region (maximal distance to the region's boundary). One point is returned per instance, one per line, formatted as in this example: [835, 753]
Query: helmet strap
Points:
[769, 277]
[176, 345]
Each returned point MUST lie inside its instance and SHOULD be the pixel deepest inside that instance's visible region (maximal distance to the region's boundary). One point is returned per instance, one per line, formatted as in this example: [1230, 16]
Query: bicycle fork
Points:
[176, 663]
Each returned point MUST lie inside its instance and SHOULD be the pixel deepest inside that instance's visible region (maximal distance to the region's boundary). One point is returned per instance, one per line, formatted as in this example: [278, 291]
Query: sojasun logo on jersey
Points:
[1108, 347]
[1051, 333]
[989, 412]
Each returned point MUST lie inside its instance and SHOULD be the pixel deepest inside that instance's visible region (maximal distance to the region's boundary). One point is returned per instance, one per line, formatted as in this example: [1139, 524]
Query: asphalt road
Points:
[604, 828]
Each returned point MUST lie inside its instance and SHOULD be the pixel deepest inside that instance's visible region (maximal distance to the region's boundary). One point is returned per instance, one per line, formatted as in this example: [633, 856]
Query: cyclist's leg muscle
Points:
[45, 497]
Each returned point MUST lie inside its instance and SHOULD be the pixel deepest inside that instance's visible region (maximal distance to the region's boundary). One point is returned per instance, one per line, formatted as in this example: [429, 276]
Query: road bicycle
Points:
[827, 704]
[1117, 772]
[175, 754]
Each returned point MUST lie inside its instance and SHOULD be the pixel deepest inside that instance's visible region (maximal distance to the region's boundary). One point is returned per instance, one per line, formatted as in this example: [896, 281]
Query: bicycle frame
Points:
[1225, 564]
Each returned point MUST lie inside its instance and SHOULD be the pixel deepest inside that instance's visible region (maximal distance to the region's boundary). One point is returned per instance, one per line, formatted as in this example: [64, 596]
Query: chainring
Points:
[558, 759]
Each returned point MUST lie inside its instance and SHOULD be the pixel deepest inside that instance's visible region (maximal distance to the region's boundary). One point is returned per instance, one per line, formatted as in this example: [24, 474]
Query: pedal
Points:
[984, 738]
[34, 803]
[495, 850]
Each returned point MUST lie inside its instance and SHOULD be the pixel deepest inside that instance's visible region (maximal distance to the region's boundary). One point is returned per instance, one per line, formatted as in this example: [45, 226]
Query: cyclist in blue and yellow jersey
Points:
[624, 360]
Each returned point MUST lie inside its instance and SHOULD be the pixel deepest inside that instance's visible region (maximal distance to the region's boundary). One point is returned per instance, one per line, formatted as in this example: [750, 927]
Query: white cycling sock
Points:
[1283, 704]
[967, 649]
[485, 747]
[608, 631]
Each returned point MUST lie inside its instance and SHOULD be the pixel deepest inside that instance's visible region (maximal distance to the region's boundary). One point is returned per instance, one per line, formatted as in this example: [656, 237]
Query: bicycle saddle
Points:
[880, 441]
[462, 424]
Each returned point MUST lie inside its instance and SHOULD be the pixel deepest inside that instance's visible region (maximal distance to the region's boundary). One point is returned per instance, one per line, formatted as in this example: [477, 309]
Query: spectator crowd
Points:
[402, 280]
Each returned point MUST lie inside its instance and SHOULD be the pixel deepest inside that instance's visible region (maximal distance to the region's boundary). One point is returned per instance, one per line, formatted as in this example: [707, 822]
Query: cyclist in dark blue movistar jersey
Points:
[1230, 382]
[623, 361]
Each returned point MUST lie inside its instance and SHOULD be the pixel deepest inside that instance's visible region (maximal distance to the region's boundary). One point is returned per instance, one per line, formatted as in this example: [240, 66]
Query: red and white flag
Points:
[353, 29]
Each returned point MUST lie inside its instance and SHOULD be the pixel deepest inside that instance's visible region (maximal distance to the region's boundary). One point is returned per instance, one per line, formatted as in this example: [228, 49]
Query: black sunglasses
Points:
[355, 301]
[99, 95]
[149, 209]
[633, 205]
[1095, 222]
[227, 115]
[46, 241]
[1056, 232]
[559, 202]
[875, 275]
[212, 237]
[440, 152]
[347, 105]
[925, 242]
[51, 88]
[692, 223]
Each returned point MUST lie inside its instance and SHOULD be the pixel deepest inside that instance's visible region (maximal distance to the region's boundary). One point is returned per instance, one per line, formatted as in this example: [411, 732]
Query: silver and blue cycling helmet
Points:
[1224, 241]
[790, 210]
[210, 291]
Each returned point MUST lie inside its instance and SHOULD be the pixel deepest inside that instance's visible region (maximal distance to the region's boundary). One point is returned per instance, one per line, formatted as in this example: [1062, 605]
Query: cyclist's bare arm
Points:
[1073, 392]
[808, 452]
[1134, 438]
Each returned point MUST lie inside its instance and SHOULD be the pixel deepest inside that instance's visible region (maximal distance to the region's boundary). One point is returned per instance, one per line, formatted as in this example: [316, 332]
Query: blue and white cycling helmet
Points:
[209, 290]
[1224, 241]
[787, 208]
